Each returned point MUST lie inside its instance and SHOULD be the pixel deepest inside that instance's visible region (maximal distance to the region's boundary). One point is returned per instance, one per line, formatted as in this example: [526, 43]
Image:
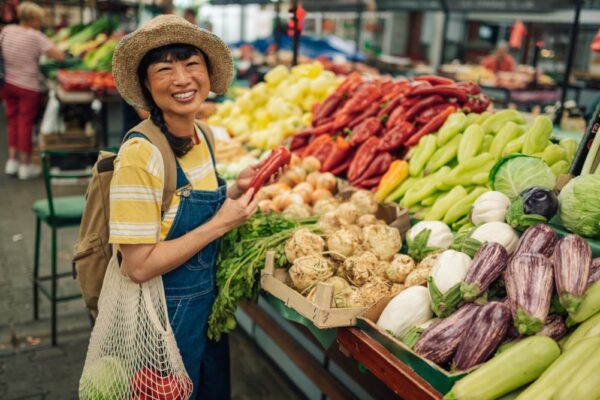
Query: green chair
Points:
[57, 213]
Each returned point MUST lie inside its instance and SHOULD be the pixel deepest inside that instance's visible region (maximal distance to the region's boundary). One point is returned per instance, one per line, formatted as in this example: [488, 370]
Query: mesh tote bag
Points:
[132, 353]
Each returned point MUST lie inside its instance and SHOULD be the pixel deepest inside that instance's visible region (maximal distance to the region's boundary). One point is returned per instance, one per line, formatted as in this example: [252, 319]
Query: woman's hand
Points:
[235, 212]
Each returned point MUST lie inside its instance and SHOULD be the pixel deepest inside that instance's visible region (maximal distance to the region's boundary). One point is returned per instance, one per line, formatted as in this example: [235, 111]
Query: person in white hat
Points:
[167, 67]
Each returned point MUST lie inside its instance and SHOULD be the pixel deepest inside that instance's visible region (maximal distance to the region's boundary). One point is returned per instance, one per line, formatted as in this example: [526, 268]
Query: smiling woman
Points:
[168, 67]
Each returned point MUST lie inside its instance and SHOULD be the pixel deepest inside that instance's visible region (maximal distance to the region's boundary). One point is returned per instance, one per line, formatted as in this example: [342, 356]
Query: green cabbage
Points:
[105, 379]
[579, 205]
[514, 173]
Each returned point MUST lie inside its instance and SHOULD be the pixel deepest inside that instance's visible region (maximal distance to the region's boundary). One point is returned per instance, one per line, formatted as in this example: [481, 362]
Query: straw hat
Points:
[161, 31]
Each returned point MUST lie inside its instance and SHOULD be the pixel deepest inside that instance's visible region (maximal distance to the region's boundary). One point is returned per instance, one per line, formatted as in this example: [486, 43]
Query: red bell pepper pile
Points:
[78, 80]
[365, 124]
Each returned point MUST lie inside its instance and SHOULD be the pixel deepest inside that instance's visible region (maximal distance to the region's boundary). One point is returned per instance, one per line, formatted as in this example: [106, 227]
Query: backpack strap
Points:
[153, 134]
[210, 139]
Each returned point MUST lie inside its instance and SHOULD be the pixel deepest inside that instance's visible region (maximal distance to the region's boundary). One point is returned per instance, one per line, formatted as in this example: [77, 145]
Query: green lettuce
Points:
[579, 206]
[514, 173]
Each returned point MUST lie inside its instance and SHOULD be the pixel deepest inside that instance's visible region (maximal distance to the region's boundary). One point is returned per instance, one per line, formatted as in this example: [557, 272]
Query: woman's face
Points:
[179, 87]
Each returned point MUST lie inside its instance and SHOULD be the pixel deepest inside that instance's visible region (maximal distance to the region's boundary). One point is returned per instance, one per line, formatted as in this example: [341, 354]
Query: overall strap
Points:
[152, 133]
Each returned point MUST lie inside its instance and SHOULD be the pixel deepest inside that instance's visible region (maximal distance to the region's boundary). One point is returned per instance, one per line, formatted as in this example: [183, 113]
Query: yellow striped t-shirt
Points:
[137, 186]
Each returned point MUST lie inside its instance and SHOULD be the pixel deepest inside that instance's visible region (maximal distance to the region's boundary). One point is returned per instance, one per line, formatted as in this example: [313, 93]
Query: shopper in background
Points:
[22, 46]
[190, 16]
[500, 60]
[168, 67]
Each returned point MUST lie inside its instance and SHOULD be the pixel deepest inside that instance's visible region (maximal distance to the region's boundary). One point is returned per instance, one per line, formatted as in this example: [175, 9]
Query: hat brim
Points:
[133, 47]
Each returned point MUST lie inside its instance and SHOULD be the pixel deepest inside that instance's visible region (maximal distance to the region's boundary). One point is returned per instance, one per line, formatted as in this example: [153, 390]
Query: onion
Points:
[276, 189]
[292, 198]
[311, 164]
[320, 194]
[313, 178]
[295, 160]
[263, 195]
[306, 190]
[265, 205]
[326, 181]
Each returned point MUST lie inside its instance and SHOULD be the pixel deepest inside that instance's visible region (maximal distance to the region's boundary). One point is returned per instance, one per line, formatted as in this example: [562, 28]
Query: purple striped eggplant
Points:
[538, 238]
[529, 284]
[439, 342]
[554, 327]
[483, 336]
[572, 259]
[594, 272]
[488, 264]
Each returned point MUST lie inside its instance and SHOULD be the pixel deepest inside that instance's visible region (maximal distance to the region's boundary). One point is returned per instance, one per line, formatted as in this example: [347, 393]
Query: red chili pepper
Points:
[431, 112]
[337, 156]
[377, 167]
[324, 151]
[369, 112]
[389, 107]
[447, 91]
[434, 80]
[324, 121]
[477, 104]
[278, 158]
[396, 116]
[325, 128]
[362, 99]
[396, 136]
[422, 105]
[363, 157]
[470, 87]
[327, 108]
[369, 184]
[340, 169]
[298, 142]
[368, 128]
[431, 126]
[315, 144]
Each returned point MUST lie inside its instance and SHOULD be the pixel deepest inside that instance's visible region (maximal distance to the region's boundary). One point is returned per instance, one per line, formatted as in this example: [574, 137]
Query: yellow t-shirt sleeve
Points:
[136, 194]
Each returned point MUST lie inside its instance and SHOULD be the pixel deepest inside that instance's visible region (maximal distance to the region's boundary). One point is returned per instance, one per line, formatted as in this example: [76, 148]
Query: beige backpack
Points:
[92, 250]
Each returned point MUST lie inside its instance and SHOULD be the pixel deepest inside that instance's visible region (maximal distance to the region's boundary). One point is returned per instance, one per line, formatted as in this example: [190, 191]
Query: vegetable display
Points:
[579, 206]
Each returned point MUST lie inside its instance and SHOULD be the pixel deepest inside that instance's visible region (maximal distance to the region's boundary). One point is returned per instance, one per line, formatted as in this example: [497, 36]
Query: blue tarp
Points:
[312, 47]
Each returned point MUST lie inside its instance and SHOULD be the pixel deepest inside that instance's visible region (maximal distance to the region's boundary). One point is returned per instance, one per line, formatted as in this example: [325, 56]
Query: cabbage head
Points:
[579, 206]
[104, 379]
[514, 173]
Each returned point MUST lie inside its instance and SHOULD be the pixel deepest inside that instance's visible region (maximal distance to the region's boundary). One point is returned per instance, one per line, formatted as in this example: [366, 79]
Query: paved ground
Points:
[29, 367]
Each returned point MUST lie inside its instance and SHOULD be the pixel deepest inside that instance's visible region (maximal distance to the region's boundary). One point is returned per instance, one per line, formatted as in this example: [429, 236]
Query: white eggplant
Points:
[427, 237]
[489, 207]
[498, 232]
[447, 275]
[408, 309]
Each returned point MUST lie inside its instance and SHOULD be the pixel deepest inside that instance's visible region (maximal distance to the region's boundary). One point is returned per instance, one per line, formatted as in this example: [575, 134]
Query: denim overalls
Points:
[190, 291]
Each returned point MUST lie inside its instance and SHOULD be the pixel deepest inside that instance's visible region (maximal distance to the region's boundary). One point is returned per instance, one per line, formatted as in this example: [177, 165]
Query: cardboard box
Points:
[437, 377]
[321, 314]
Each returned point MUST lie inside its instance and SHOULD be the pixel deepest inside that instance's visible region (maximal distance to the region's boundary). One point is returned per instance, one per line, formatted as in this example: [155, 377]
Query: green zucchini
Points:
[590, 304]
[591, 327]
[561, 371]
[509, 370]
[583, 384]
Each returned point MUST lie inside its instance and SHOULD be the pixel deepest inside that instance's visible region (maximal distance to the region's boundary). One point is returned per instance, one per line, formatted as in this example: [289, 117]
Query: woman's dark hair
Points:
[171, 52]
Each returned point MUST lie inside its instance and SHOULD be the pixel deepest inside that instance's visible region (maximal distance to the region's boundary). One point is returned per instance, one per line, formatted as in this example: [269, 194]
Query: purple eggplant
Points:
[538, 238]
[488, 264]
[594, 272]
[554, 327]
[529, 284]
[483, 336]
[439, 342]
[572, 260]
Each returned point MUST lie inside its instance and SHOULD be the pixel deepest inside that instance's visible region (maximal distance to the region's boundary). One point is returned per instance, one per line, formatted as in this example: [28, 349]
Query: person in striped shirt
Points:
[22, 46]
[168, 67]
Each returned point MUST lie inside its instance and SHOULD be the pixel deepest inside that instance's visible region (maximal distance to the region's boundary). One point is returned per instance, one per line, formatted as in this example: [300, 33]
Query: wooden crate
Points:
[70, 140]
[321, 314]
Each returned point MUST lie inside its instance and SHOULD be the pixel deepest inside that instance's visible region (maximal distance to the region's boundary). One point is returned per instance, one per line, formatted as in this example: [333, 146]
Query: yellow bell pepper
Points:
[394, 176]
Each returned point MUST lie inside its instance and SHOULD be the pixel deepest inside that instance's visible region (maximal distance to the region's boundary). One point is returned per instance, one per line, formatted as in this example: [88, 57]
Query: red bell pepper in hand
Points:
[432, 126]
[446, 91]
[377, 167]
[363, 157]
[279, 158]
[395, 137]
[366, 129]
[422, 105]
[337, 156]
[434, 80]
